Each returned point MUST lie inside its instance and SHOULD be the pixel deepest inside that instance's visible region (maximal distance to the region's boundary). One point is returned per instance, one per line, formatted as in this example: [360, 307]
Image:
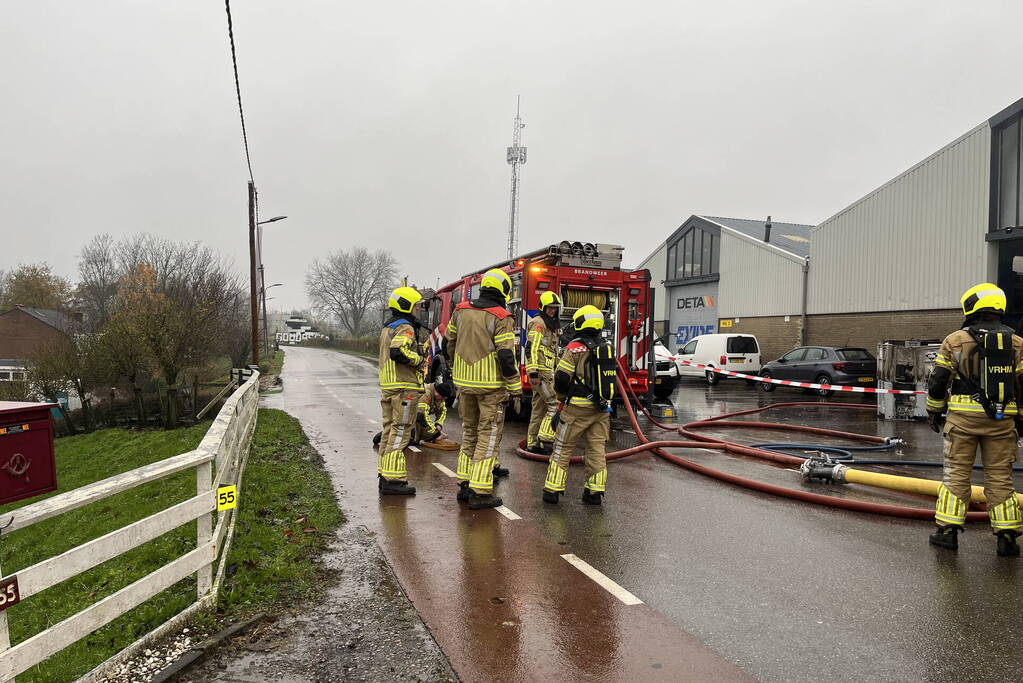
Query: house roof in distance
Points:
[56, 319]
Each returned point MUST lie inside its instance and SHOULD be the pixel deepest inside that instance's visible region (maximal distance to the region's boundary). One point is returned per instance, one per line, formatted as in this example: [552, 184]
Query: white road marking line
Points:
[372, 422]
[602, 581]
[414, 449]
[445, 470]
[506, 512]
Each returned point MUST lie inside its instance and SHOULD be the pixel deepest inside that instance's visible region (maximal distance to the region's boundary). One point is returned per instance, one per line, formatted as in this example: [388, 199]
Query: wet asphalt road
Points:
[781, 589]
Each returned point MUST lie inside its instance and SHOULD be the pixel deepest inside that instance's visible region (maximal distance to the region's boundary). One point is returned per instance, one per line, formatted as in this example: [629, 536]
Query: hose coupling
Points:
[822, 468]
[894, 441]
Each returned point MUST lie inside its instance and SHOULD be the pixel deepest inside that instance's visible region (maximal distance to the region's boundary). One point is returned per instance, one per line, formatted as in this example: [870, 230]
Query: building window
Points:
[693, 256]
[1008, 182]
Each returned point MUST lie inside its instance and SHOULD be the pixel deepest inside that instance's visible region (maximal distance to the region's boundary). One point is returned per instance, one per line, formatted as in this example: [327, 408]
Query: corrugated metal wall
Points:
[757, 281]
[917, 242]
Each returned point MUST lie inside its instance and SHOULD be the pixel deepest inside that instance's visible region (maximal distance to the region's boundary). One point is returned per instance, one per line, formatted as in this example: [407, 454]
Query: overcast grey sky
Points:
[385, 124]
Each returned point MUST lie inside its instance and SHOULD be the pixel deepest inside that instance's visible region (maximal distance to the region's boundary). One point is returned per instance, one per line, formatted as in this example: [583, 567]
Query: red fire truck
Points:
[581, 273]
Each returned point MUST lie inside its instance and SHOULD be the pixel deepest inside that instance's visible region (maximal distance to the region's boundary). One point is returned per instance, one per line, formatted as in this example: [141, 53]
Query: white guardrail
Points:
[223, 450]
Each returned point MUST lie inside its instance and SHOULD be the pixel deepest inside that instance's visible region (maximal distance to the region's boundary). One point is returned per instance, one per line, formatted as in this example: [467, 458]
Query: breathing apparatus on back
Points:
[601, 366]
[988, 372]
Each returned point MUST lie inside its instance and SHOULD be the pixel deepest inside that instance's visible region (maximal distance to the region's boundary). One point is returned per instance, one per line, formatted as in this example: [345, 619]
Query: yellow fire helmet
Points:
[588, 317]
[403, 299]
[549, 299]
[983, 297]
[499, 280]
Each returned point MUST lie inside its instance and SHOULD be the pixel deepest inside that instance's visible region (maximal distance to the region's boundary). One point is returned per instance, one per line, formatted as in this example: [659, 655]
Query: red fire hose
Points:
[705, 442]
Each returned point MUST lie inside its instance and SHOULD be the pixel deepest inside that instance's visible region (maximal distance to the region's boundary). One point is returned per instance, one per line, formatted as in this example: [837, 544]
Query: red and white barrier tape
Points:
[804, 385]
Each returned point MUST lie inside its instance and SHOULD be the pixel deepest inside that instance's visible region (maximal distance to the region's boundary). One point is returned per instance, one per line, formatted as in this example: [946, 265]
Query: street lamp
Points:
[266, 331]
[262, 276]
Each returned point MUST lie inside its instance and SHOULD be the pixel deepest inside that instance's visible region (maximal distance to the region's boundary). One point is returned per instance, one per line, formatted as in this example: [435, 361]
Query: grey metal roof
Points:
[792, 237]
[58, 319]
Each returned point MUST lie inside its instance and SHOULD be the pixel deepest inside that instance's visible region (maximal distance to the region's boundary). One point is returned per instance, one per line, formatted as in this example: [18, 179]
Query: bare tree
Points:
[178, 303]
[348, 284]
[237, 341]
[48, 376]
[99, 277]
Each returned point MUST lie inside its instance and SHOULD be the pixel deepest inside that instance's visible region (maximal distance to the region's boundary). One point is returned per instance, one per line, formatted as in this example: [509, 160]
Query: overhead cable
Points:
[238, 89]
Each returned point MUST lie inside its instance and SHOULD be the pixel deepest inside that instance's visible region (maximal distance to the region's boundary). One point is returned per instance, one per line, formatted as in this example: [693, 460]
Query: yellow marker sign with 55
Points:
[227, 498]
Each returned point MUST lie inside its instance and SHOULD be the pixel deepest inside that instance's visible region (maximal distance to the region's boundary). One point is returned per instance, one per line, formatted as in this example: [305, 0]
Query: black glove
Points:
[937, 421]
[1019, 426]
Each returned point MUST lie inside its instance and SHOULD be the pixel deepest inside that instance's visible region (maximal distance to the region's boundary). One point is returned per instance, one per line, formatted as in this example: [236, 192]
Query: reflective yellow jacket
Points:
[400, 335]
[954, 349]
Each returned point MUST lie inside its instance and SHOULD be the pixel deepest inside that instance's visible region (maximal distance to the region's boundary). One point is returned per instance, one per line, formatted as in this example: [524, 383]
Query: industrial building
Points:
[717, 274]
[892, 265]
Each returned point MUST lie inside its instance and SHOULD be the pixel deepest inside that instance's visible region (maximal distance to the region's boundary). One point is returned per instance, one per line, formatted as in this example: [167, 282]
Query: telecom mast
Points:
[516, 157]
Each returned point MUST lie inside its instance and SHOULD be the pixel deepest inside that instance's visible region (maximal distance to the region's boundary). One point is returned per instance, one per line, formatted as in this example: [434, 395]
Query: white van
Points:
[736, 352]
[667, 371]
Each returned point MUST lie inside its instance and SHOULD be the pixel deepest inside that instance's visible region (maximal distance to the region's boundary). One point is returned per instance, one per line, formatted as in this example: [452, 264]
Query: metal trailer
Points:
[904, 364]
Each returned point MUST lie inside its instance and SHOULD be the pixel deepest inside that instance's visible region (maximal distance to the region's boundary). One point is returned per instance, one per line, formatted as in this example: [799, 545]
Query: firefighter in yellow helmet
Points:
[541, 354]
[976, 381]
[401, 366]
[480, 342]
[584, 380]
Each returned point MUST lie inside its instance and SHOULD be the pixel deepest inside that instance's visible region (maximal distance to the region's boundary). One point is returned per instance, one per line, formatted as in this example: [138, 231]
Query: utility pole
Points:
[516, 157]
[262, 293]
[253, 298]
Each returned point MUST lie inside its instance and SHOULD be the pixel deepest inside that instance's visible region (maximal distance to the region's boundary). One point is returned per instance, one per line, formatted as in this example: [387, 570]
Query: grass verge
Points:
[273, 364]
[272, 557]
[287, 515]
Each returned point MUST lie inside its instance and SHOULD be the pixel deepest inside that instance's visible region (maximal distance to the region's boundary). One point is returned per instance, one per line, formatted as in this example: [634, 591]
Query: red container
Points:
[27, 463]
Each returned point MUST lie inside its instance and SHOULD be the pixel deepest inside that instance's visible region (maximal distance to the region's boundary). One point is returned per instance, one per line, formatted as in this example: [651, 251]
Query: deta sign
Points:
[695, 302]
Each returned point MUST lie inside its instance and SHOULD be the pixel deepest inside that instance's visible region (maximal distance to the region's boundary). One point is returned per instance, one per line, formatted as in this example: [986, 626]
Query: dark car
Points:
[839, 365]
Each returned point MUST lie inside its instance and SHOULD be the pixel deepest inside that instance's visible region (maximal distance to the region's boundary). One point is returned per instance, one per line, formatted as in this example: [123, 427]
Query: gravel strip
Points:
[145, 666]
[362, 629]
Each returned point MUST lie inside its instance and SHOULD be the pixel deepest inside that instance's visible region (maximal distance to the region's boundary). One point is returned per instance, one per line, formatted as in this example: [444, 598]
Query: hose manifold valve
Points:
[821, 467]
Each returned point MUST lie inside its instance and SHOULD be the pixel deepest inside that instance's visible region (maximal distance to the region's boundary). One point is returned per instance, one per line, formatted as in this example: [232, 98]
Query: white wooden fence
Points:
[223, 450]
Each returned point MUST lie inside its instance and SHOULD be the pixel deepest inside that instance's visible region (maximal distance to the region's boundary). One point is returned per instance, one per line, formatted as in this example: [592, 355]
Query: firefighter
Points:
[584, 380]
[541, 354]
[480, 342]
[401, 366]
[433, 411]
[976, 380]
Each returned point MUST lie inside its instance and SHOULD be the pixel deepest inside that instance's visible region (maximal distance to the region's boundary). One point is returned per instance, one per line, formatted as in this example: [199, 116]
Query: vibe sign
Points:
[686, 332]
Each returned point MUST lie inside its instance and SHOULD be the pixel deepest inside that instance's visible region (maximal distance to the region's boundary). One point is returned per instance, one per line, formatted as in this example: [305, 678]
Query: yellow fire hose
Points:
[894, 482]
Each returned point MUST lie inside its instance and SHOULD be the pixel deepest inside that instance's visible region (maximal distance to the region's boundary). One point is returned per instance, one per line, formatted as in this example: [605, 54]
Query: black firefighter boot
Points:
[396, 488]
[946, 536]
[463, 492]
[551, 496]
[500, 471]
[479, 501]
[1007, 546]
[592, 497]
